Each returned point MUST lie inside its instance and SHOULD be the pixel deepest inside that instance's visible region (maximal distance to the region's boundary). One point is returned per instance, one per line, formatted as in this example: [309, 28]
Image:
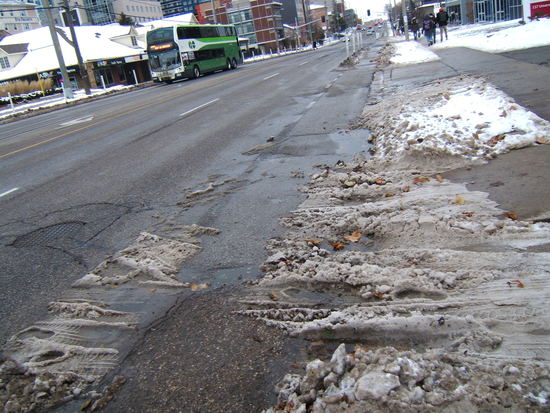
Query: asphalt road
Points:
[80, 183]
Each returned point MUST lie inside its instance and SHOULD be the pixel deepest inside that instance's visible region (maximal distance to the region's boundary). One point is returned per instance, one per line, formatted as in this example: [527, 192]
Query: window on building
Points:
[4, 62]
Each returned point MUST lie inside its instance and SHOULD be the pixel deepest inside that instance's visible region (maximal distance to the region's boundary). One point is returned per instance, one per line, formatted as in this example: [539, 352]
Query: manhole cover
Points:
[43, 236]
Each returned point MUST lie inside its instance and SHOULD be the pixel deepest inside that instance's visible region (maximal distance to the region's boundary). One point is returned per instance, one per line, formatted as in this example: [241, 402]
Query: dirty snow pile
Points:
[462, 116]
[444, 293]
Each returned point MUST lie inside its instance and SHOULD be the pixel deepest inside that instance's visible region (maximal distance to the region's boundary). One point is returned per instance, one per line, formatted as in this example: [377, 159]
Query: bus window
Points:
[188, 33]
[208, 32]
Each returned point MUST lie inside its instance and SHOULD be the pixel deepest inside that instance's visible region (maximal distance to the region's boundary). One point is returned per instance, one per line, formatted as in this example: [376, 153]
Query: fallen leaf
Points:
[469, 214]
[337, 245]
[512, 215]
[380, 296]
[420, 179]
[354, 237]
[313, 241]
[513, 107]
[380, 181]
[152, 290]
[389, 195]
[197, 287]
[459, 200]
[503, 114]
[406, 188]
[350, 184]
[496, 139]
[542, 141]
[439, 178]
[519, 283]
[273, 296]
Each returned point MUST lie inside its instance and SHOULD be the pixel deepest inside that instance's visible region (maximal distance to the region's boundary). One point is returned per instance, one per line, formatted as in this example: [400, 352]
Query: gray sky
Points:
[361, 6]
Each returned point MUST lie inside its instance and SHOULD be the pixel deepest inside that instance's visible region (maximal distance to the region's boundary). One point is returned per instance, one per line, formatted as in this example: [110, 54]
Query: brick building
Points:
[259, 21]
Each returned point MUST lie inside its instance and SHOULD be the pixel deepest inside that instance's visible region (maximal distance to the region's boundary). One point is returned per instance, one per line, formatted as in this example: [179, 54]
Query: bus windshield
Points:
[164, 34]
[165, 60]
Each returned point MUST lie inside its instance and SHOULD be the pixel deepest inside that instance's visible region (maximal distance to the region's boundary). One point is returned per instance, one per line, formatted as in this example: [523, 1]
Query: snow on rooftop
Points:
[94, 41]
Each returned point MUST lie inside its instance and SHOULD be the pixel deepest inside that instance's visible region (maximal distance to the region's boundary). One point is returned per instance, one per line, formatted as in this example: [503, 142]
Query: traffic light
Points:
[368, 12]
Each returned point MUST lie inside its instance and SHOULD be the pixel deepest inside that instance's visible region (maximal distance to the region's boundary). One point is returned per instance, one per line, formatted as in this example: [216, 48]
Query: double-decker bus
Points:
[187, 51]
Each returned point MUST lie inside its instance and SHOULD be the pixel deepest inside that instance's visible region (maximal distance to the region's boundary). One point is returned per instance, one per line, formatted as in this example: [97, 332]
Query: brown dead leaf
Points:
[513, 107]
[272, 296]
[313, 241]
[354, 237]
[512, 215]
[337, 246]
[518, 283]
[197, 287]
[459, 200]
[389, 195]
[496, 139]
[542, 141]
[469, 214]
[152, 290]
[420, 179]
[380, 181]
[439, 178]
[406, 188]
[380, 296]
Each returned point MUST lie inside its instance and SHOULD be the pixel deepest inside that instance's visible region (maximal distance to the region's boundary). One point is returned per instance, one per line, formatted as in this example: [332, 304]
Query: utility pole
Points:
[67, 90]
[306, 18]
[74, 44]
[405, 18]
[213, 4]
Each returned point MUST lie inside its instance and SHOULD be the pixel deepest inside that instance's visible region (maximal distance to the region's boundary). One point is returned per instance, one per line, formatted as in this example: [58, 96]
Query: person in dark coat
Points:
[442, 21]
[414, 28]
[428, 27]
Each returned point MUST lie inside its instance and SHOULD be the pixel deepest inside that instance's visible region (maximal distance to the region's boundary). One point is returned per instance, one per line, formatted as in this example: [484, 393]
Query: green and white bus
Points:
[187, 51]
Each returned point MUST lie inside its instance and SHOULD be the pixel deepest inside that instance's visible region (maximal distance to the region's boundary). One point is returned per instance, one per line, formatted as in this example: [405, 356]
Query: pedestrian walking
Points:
[442, 20]
[414, 28]
[428, 27]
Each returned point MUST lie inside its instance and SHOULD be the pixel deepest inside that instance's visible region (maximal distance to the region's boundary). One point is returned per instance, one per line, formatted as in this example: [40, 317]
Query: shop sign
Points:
[540, 9]
[135, 58]
[103, 63]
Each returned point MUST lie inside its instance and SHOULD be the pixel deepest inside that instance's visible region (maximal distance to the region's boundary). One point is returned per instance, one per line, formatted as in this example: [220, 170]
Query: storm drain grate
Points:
[44, 236]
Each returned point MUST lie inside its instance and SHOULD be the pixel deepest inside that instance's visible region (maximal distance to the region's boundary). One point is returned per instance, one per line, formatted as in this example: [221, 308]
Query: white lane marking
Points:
[199, 107]
[76, 121]
[8, 192]
[304, 63]
[269, 77]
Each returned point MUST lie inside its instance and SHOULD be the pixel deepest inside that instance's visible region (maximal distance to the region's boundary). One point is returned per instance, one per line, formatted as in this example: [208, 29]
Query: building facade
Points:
[476, 11]
[140, 11]
[258, 21]
[99, 12]
[16, 17]
[176, 7]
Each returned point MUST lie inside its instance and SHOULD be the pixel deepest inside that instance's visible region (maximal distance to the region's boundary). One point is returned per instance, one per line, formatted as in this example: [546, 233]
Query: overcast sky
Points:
[361, 7]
